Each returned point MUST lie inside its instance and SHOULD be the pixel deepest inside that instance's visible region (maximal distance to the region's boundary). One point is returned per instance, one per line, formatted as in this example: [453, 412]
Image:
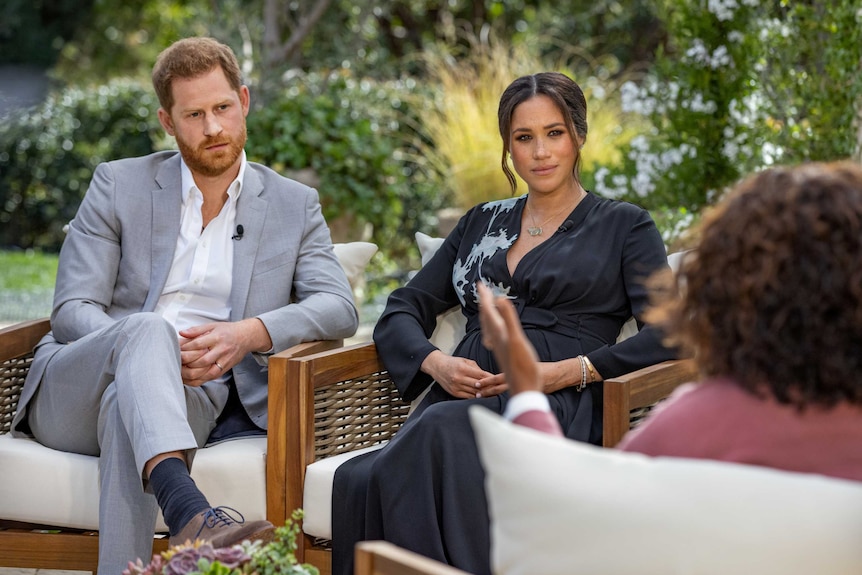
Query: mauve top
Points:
[718, 419]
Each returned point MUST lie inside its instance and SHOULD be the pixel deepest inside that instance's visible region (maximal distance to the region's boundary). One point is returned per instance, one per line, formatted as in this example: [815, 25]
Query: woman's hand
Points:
[462, 377]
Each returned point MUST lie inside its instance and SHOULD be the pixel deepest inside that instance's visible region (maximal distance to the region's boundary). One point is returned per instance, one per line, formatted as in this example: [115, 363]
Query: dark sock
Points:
[176, 492]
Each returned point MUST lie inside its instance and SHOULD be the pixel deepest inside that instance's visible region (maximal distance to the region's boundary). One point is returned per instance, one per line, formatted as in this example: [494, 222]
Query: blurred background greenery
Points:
[389, 107]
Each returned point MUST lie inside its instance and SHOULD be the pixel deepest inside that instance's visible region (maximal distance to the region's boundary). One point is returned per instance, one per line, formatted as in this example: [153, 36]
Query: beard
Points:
[212, 164]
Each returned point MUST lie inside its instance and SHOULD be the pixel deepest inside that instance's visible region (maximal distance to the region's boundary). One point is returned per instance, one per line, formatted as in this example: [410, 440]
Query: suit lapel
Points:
[250, 214]
[166, 213]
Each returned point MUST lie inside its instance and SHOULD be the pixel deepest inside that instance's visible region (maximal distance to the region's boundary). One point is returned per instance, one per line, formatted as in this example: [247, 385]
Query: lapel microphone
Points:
[564, 227]
[238, 234]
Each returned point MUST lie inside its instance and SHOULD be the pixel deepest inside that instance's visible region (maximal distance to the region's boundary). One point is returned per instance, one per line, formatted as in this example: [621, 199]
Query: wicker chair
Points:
[26, 545]
[342, 400]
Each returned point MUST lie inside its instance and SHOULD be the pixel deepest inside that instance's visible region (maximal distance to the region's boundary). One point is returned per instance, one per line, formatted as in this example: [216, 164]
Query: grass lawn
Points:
[26, 284]
[27, 270]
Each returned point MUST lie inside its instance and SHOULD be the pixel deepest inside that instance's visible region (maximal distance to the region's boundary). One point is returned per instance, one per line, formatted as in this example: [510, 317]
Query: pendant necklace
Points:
[535, 230]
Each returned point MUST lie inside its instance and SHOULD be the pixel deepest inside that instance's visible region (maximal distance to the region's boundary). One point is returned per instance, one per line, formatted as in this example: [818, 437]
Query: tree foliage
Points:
[33, 31]
[48, 154]
[382, 39]
[742, 85]
[356, 137]
[723, 87]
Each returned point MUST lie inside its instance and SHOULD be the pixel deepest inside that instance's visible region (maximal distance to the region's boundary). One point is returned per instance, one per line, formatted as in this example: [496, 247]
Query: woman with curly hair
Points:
[770, 306]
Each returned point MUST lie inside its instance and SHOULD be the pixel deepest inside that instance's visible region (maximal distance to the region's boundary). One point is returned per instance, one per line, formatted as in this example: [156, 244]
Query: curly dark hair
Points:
[772, 295]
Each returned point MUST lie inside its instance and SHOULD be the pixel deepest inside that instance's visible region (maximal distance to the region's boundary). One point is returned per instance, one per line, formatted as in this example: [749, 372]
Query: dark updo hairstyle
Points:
[564, 92]
[772, 296]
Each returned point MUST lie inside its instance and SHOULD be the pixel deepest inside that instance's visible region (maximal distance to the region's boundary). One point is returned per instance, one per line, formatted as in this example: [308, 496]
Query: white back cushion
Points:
[560, 507]
[354, 257]
[451, 324]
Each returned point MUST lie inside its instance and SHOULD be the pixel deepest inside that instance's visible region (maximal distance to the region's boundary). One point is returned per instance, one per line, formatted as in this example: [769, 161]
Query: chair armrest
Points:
[20, 339]
[279, 426]
[334, 402]
[16, 353]
[347, 400]
[639, 389]
[307, 348]
[384, 558]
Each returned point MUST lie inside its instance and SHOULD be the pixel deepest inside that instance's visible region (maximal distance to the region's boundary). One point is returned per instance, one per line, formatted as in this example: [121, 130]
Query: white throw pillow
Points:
[354, 257]
[451, 324]
[560, 507]
[428, 246]
[631, 326]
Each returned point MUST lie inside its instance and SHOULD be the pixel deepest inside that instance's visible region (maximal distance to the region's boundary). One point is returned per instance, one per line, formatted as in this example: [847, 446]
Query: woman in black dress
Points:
[573, 264]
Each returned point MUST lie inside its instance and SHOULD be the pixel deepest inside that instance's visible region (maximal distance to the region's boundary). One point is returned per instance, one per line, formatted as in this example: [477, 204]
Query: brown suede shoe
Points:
[223, 529]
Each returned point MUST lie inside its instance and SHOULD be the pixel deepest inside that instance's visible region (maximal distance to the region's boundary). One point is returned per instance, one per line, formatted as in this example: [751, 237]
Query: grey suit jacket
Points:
[120, 246]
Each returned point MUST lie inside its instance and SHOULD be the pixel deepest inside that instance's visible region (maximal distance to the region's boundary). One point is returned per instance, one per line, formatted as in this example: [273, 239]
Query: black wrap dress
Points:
[425, 490]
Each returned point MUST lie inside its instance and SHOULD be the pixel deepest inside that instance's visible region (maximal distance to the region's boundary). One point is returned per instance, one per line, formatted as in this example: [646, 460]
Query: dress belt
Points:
[602, 328]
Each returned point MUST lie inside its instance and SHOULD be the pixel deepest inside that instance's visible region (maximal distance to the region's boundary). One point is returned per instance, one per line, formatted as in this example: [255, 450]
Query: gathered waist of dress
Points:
[602, 327]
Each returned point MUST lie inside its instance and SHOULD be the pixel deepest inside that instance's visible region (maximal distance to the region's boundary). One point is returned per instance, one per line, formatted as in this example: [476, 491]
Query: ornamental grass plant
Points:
[461, 120]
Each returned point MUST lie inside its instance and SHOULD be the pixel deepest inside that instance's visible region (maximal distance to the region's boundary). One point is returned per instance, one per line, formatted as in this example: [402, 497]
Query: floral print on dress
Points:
[496, 238]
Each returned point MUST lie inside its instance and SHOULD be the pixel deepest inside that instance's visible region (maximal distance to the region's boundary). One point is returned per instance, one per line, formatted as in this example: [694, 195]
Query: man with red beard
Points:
[181, 272]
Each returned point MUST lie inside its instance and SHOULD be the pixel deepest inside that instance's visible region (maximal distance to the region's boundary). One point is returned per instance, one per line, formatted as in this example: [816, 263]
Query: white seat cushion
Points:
[317, 493]
[42, 485]
[559, 506]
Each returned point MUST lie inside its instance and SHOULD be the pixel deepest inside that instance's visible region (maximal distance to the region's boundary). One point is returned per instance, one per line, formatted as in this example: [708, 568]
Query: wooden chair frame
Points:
[45, 547]
[384, 558]
[343, 400]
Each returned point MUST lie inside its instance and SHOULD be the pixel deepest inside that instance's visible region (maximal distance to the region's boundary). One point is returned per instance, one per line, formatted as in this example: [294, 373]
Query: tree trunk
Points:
[280, 23]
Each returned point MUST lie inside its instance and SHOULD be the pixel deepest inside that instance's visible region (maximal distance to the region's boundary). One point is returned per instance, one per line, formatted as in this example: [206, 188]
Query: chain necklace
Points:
[535, 230]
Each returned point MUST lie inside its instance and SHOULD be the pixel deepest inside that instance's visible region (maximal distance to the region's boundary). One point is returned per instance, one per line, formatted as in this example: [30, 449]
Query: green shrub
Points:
[48, 154]
[357, 137]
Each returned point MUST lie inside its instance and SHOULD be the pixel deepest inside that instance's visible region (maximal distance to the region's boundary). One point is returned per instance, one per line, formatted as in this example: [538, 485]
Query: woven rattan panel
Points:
[637, 416]
[12, 374]
[356, 413]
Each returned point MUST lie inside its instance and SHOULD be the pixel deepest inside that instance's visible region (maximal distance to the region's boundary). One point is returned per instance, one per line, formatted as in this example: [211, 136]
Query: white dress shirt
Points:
[199, 283]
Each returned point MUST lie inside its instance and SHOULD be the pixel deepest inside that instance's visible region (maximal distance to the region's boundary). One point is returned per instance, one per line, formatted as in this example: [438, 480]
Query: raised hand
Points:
[503, 335]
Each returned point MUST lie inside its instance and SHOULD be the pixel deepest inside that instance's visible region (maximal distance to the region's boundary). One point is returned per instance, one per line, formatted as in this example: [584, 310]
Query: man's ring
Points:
[219, 366]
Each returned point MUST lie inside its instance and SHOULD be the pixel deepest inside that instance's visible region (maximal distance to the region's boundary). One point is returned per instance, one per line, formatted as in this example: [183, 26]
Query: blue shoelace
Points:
[221, 517]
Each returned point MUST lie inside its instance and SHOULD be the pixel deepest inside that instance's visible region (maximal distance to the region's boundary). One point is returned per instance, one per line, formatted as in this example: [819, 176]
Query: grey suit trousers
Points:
[117, 394]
